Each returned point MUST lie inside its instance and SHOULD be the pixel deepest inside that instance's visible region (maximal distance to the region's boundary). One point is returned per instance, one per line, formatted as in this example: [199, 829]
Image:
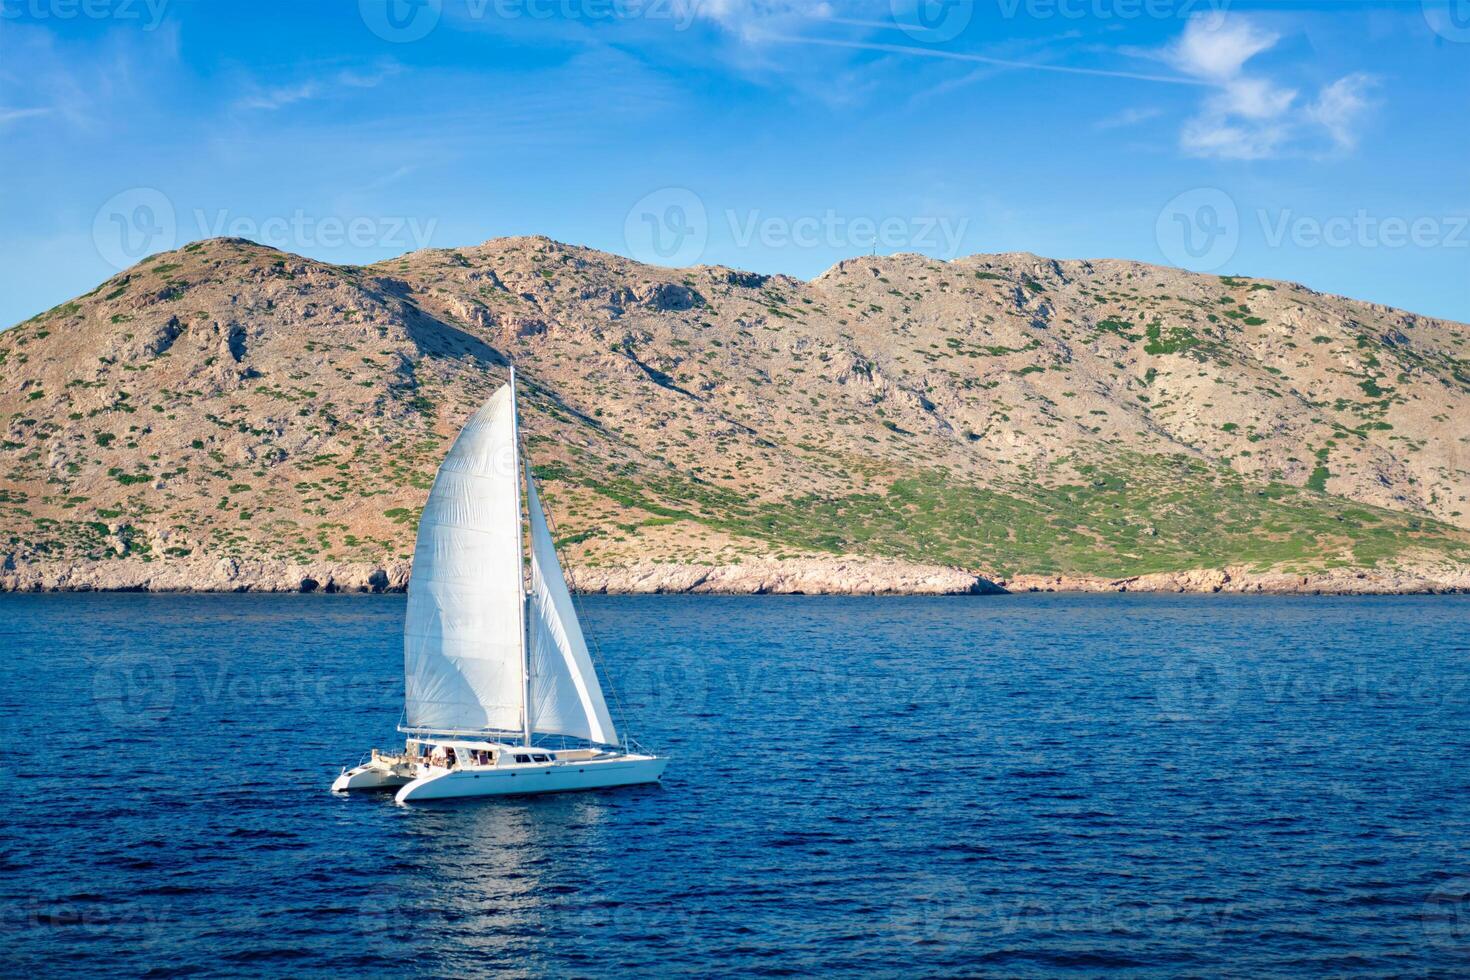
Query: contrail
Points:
[977, 58]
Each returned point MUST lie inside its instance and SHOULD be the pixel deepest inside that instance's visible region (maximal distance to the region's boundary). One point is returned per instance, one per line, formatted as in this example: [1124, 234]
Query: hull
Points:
[562, 777]
[371, 776]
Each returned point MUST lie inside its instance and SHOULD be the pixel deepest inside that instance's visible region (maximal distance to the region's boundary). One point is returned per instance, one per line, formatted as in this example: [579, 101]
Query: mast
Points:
[515, 441]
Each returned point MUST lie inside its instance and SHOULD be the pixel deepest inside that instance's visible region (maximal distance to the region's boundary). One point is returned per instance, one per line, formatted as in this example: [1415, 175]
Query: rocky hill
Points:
[231, 416]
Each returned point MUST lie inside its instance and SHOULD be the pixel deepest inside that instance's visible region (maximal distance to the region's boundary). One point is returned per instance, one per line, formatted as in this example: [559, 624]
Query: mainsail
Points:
[462, 635]
[469, 662]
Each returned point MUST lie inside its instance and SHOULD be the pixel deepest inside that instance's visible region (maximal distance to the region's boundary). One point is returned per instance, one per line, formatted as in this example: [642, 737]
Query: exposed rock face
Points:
[202, 575]
[1391, 581]
[791, 577]
[230, 416]
[854, 577]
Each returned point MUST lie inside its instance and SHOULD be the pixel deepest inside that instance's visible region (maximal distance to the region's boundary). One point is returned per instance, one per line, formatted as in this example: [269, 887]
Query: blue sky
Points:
[1322, 142]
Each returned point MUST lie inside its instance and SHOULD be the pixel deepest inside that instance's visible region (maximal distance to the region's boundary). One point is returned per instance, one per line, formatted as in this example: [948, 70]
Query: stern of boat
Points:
[380, 772]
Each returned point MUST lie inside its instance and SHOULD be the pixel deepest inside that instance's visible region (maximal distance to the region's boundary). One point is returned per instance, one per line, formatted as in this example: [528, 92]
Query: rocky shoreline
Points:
[804, 576]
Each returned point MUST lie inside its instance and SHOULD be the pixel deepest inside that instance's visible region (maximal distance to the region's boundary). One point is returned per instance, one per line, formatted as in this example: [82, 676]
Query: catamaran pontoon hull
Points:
[372, 776]
[561, 777]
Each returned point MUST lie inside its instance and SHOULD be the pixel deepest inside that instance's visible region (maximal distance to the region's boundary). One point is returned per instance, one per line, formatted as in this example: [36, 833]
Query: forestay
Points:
[462, 638]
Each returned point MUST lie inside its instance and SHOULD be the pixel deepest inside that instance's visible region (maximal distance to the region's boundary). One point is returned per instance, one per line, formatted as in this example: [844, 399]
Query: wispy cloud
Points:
[1250, 115]
[1341, 107]
[82, 84]
[1128, 118]
[15, 115]
[270, 99]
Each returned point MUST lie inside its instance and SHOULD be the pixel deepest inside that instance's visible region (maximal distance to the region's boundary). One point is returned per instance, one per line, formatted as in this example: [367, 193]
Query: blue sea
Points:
[1008, 786]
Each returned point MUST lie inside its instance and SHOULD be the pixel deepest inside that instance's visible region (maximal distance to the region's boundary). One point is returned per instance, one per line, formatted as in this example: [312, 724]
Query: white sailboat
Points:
[490, 665]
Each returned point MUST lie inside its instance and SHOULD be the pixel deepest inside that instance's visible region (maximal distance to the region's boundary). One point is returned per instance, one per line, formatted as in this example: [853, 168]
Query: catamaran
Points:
[500, 693]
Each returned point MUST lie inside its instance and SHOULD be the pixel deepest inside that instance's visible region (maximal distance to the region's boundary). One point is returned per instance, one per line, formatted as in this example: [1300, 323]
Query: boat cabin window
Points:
[523, 758]
[541, 758]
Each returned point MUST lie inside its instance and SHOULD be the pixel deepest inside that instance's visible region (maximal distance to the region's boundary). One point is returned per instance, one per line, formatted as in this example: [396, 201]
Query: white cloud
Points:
[1216, 47]
[751, 19]
[734, 13]
[1253, 98]
[1249, 115]
[1341, 107]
